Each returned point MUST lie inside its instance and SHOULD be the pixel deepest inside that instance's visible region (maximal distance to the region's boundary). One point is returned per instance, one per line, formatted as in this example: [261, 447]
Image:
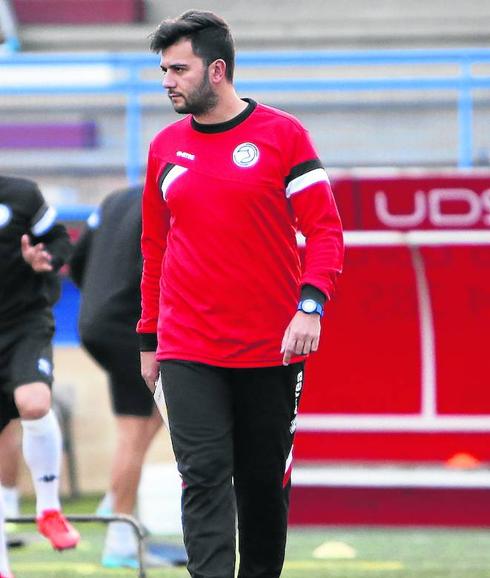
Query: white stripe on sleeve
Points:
[93, 220]
[45, 222]
[304, 181]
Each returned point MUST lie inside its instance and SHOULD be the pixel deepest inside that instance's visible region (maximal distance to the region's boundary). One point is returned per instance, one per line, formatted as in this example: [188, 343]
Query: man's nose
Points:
[168, 81]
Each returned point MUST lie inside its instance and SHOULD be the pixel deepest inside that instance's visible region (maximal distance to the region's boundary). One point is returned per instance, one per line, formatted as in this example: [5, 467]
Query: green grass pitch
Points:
[331, 552]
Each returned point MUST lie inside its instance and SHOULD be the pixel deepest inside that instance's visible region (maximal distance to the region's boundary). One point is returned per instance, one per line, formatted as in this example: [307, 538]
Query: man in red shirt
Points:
[228, 314]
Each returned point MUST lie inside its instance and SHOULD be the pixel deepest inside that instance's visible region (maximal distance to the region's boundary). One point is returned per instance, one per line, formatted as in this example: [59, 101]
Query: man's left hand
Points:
[36, 255]
[302, 336]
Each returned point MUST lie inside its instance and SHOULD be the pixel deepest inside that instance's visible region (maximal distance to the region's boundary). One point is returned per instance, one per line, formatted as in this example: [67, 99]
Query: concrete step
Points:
[308, 34]
[292, 24]
[273, 11]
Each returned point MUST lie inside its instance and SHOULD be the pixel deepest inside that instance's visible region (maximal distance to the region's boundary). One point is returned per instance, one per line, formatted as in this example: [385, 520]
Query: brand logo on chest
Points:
[246, 155]
[185, 155]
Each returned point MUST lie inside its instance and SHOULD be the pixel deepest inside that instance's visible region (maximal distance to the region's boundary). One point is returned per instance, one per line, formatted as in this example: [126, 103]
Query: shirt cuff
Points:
[310, 292]
[148, 341]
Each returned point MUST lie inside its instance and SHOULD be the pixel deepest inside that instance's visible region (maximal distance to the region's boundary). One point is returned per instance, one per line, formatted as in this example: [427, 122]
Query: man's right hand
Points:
[36, 255]
[149, 368]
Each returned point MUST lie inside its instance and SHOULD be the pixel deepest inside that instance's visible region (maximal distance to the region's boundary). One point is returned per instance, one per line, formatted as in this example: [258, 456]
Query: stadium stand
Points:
[352, 129]
[363, 108]
[276, 24]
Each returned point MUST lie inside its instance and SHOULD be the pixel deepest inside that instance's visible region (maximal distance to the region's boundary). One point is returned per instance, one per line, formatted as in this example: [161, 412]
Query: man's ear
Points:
[217, 71]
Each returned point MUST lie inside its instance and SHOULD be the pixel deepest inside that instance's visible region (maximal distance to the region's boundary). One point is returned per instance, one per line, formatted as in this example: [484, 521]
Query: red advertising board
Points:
[402, 373]
[455, 202]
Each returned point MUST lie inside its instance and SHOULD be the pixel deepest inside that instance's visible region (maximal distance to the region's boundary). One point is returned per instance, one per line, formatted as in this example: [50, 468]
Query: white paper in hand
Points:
[160, 400]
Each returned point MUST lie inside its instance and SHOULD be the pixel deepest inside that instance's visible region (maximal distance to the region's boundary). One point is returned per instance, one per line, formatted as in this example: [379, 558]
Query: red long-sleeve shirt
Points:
[221, 208]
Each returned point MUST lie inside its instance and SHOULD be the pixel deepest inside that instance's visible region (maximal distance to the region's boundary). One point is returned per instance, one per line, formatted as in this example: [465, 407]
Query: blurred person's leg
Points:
[41, 443]
[134, 436]
[10, 456]
[4, 561]
[137, 423]
[7, 412]
[31, 376]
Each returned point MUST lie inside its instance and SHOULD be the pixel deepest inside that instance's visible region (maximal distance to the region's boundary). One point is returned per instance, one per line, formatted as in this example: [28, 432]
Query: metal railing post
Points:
[465, 118]
[133, 127]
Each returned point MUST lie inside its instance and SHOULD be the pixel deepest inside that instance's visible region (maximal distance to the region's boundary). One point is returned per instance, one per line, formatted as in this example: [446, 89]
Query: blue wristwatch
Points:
[310, 306]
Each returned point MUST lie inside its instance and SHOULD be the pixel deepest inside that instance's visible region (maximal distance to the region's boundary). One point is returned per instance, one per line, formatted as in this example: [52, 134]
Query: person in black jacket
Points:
[33, 247]
[106, 266]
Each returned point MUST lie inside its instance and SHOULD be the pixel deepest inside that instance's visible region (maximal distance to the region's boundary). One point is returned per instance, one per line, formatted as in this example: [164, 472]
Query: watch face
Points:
[308, 306]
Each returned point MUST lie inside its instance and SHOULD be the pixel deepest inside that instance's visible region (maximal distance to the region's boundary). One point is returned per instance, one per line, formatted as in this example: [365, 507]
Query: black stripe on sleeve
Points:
[43, 209]
[166, 170]
[303, 168]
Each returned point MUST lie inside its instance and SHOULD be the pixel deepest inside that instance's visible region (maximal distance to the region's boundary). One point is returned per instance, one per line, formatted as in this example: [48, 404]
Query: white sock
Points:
[4, 562]
[120, 540]
[41, 443]
[106, 505]
[11, 502]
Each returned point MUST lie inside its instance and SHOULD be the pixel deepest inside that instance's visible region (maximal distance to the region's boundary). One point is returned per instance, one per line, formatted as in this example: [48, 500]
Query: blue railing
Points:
[124, 76]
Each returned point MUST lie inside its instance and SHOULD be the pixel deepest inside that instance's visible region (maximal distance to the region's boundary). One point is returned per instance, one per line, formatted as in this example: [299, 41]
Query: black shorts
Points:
[129, 393]
[26, 356]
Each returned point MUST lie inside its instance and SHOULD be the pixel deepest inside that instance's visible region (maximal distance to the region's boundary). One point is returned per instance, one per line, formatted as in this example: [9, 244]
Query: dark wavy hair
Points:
[209, 34]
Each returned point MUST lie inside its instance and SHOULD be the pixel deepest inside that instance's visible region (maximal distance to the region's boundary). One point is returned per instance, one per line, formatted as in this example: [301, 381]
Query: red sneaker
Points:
[56, 528]
[6, 575]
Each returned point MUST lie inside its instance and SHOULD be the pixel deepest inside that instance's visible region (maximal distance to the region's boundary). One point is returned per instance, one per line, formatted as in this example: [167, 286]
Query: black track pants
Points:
[233, 424]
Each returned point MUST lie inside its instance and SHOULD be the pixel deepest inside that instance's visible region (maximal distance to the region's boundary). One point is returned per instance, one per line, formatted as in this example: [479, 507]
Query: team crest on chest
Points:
[246, 155]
